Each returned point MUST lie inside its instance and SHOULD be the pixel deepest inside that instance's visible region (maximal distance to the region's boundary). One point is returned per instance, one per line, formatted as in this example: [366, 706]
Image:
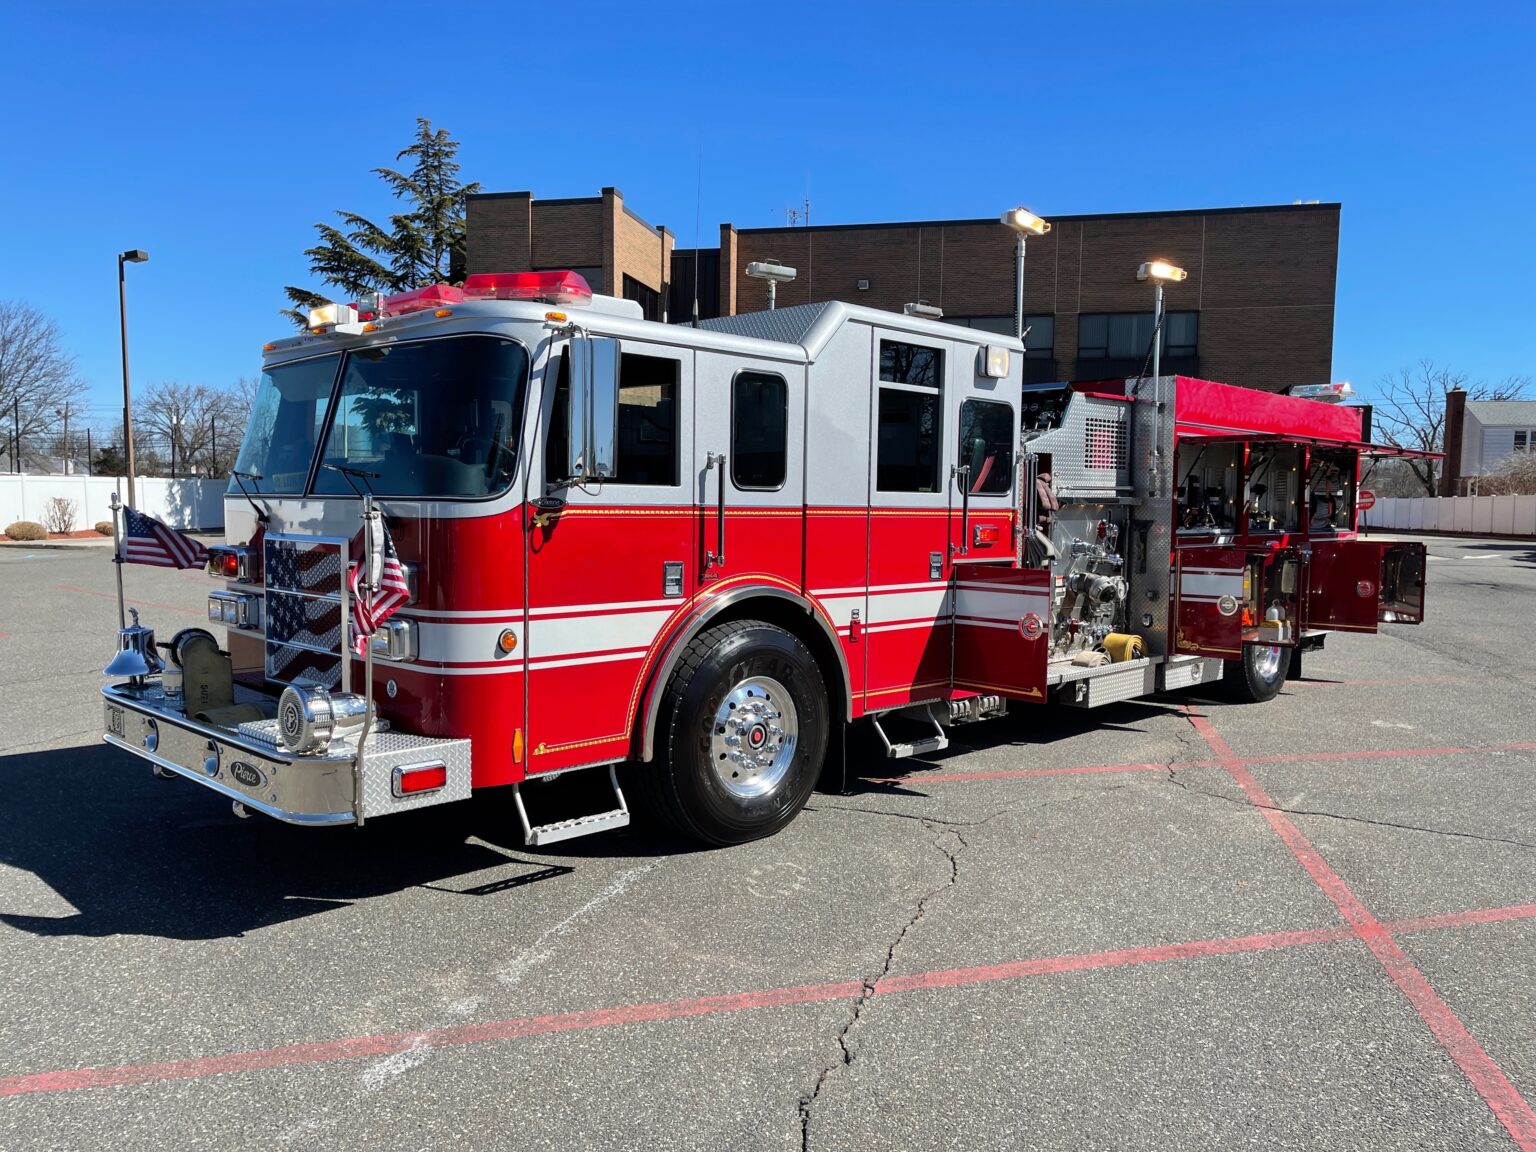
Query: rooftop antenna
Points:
[698, 199]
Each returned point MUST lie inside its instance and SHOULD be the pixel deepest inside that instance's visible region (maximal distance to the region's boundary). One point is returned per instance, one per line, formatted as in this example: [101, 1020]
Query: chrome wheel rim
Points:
[752, 743]
[1266, 662]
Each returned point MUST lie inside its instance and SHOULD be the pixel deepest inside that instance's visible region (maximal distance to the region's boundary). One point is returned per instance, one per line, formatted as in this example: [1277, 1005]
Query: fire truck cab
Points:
[689, 556]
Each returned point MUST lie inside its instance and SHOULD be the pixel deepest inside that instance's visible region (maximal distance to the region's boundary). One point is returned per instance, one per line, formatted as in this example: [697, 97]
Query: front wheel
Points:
[745, 722]
[1257, 677]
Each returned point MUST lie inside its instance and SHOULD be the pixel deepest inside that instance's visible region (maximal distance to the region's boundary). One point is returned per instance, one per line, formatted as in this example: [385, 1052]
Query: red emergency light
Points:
[548, 287]
[421, 299]
[418, 778]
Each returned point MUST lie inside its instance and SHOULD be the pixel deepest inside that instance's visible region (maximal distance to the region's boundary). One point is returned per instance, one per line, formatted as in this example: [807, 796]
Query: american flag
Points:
[370, 609]
[147, 541]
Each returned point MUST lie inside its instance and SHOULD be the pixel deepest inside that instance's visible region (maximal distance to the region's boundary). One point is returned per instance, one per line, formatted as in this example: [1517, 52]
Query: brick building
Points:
[1257, 309]
[597, 236]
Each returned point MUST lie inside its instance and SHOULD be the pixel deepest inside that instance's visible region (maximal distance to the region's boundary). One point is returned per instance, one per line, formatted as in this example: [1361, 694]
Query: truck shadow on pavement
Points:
[139, 855]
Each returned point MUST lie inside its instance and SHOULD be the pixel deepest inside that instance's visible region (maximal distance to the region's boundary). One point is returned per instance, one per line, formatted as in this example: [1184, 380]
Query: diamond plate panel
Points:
[391, 750]
[786, 325]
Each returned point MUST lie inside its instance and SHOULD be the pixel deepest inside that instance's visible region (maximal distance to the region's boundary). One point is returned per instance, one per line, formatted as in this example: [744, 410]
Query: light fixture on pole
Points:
[1024, 224]
[132, 256]
[773, 272]
[1160, 272]
[175, 435]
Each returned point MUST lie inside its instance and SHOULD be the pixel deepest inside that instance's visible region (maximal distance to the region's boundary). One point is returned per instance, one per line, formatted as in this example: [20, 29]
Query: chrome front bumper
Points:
[248, 765]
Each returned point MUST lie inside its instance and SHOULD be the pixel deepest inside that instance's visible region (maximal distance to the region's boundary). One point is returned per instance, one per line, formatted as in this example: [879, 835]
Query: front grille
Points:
[305, 628]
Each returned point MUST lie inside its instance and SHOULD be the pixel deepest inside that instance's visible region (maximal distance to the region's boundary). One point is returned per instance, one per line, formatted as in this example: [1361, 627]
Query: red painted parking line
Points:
[1486, 1077]
[359, 1047]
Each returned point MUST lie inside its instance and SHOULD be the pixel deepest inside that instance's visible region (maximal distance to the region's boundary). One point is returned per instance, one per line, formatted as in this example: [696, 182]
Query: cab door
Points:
[610, 561]
[1001, 611]
[748, 471]
[906, 632]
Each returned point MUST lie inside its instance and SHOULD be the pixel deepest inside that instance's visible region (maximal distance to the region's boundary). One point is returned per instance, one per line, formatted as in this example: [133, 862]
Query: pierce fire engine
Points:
[689, 557]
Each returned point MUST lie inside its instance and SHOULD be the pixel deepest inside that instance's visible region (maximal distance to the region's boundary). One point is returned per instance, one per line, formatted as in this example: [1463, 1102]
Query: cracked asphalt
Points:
[1168, 923]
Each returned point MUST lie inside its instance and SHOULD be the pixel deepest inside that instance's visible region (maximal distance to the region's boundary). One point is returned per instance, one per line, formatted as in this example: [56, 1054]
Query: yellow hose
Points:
[1122, 646]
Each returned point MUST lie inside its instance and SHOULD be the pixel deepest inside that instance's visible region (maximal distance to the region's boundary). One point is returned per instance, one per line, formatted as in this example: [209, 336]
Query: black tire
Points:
[1258, 676]
[737, 671]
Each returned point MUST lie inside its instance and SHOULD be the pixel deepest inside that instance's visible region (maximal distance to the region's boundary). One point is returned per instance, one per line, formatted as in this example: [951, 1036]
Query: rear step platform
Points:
[935, 743]
[537, 834]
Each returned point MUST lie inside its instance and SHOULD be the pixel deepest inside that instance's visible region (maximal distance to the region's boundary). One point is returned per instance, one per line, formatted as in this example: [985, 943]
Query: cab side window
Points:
[908, 448]
[648, 420]
[759, 430]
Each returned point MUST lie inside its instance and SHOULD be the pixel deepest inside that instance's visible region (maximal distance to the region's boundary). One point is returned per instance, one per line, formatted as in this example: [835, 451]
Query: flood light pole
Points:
[1024, 224]
[132, 256]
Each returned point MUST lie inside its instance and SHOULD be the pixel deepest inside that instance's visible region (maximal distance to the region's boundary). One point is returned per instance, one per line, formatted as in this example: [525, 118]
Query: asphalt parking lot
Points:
[1175, 923]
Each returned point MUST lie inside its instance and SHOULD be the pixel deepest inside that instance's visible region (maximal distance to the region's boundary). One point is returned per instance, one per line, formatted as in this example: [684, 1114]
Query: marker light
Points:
[985, 534]
[328, 314]
[549, 287]
[421, 299]
[507, 641]
[1161, 270]
[417, 778]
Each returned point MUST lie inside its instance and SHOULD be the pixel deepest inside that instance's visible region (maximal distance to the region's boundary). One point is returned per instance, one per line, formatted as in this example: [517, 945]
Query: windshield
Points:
[285, 423]
[430, 418]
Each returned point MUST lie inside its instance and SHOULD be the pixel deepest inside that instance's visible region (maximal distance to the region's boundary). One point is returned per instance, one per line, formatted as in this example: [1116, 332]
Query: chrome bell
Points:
[136, 654]
[309, 717]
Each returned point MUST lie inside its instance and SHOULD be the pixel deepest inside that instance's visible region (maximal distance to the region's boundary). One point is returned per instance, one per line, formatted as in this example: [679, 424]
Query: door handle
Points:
[962, 476]
[715, 558]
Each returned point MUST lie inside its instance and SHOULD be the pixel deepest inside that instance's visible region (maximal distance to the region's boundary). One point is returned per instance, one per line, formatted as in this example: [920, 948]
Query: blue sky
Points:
[215, 136]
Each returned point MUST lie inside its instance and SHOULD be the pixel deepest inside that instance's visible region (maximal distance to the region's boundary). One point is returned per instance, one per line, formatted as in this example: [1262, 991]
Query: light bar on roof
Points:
[433, 296]
[547, 287]
[1329, 393]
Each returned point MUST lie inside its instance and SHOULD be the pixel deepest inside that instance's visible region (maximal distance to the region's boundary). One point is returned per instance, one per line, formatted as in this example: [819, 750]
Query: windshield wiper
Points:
[255, 478]
[348, 473]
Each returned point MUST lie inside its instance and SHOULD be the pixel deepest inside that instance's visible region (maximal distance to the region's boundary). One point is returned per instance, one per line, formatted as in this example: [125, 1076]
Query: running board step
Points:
[535, 835]
[935, 743]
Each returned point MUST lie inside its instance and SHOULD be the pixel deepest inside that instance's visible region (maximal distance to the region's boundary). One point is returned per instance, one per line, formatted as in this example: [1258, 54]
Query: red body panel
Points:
[1204, 405]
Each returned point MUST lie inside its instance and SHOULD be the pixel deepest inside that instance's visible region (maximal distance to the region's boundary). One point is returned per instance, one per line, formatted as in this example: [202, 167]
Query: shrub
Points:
[59, 515]
[1515, 476]
[104, 527]
[26, 530]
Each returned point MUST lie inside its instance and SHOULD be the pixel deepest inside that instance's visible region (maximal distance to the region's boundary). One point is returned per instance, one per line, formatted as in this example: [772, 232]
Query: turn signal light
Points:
[418, 778]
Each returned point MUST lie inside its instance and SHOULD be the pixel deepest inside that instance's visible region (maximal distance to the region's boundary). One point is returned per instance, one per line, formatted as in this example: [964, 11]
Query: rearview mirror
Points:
[594, 410]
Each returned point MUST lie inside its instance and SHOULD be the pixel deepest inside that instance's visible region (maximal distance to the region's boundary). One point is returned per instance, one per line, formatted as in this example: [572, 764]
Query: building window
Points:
[1039, 331]
[759, 430]
[1128, 335]
[647, 420]
[908, 447]
[1525, 440]
[648, 298]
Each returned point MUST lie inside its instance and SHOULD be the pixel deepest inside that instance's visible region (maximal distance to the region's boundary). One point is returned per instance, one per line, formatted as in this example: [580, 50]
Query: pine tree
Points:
[421, 246]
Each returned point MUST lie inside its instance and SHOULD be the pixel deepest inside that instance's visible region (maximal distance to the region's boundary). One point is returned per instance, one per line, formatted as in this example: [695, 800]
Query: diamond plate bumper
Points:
[250, 766]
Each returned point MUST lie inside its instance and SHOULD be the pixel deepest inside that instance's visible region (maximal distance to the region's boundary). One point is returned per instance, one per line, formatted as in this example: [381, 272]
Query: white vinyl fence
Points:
[185, 504]
[1466, 515]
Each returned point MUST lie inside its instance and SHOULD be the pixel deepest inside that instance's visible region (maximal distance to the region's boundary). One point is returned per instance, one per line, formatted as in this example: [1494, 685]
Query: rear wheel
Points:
[741, 735]
[1257, 677]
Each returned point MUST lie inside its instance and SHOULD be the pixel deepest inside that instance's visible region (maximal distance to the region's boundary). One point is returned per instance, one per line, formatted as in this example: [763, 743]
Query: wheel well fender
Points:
[800, 617]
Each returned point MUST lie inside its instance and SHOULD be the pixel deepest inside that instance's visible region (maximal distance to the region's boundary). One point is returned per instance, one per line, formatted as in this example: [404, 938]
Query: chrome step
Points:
[935, 743]
[535, 835]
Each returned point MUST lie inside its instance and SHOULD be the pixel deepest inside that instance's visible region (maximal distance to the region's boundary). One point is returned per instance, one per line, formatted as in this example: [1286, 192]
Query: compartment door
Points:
[1208, 601]
[1002, 630]
[1343, 585]
[1403, 569]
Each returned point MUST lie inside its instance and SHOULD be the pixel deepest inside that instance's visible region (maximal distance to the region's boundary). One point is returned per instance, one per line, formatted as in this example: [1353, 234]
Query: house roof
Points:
[1503, 413]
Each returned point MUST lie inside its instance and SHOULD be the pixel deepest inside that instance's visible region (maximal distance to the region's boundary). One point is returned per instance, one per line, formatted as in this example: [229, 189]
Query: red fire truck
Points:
[689, 557]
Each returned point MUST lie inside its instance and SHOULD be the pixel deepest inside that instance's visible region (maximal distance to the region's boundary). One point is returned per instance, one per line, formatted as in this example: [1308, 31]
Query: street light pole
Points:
[1160, 272]
[132, 256]
[1024, 224]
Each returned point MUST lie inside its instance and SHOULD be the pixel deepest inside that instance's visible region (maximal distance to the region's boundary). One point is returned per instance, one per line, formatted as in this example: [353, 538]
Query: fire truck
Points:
[689, 558]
